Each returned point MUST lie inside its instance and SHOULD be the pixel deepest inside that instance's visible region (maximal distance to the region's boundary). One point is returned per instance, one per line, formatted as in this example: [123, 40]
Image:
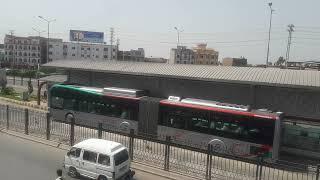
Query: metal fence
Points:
[162, 154]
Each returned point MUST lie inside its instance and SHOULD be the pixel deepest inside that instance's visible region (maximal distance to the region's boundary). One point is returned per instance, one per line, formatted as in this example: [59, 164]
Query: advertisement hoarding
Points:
[86, 36]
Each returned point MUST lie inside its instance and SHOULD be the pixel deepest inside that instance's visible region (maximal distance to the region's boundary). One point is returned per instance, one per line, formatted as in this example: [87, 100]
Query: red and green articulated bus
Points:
[230, 128]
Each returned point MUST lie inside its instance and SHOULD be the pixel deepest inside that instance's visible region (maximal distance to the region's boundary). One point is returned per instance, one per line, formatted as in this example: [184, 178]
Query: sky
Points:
[233, 27]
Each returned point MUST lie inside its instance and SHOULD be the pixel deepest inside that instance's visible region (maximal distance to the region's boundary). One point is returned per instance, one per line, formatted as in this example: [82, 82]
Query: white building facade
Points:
[182, 55]
[76, 50]
[23, 51]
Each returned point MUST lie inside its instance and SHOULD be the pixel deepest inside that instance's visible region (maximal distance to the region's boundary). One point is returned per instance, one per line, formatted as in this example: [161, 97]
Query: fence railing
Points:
[162, 154]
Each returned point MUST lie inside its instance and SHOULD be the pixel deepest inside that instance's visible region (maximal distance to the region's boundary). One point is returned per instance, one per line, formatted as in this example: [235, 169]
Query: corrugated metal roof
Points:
[248, 75]
[55, 78]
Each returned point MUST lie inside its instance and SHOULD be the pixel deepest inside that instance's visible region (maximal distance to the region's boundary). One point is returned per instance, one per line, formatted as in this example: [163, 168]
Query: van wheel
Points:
[73, 172]
[102, 178]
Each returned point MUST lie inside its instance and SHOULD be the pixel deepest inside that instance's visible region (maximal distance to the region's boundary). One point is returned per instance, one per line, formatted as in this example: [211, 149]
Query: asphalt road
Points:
[27, 160]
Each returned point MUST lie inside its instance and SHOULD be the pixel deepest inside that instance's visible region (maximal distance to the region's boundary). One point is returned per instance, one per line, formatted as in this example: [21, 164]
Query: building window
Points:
[73, 55]
[34, 48]
[64, 53]
[50, 52]
[82, 55]
[82, 48]
[113, 57]
[73, 47]
[105, 56]
[113, 50]
[50, 46]
[97, 49]
[65, 46]
[88, 48]
[178, 56]
[178, 62]
[105, 49]
[97, 56]
[88, 55]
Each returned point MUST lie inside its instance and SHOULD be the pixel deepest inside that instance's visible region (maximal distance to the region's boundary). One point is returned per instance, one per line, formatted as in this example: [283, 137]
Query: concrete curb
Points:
[22, 103]
[136, 166]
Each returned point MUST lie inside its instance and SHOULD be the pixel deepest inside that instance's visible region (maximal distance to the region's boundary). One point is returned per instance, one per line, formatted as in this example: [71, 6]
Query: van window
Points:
[104, 160]
[89, 156]
[121, 157]
[75, 152]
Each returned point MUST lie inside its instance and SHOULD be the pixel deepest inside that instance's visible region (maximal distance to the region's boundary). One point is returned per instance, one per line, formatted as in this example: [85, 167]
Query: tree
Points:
[30, 87]
[3, 83]
[280, 61]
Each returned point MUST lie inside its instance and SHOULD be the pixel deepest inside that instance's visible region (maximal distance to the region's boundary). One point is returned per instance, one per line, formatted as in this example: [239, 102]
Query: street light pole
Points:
[38, 31]
[178, 32]
[271, 12]
[48, 21]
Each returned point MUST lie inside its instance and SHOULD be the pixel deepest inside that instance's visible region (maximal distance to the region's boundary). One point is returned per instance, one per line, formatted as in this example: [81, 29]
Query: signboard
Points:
[86, 36]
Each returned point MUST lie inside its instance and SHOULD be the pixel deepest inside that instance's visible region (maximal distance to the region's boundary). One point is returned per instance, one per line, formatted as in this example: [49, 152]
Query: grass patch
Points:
[15, 96]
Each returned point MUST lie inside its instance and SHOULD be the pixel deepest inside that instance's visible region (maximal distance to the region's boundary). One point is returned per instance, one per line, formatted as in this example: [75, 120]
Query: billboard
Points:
[86, 36]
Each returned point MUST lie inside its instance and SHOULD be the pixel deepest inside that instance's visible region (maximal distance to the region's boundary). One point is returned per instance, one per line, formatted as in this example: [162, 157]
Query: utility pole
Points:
[178, 33]
[13, 46]
[268, 51]
[118, 44]
[290, 30]
[48, 21]
[111, 41]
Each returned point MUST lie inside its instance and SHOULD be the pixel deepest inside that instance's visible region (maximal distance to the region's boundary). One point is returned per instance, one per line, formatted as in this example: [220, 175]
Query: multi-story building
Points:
[234, 61]
[74, 50]
[24, 51]
[132, 55]
[204, 55]
[55, 49]
[1, 53]
[155, 60]
[181, 55]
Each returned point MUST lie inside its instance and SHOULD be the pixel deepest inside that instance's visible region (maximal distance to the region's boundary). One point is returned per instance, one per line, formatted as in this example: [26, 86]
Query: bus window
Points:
[199, 125]
[83, 106]
[176, 122]
[57, 102]
[70, 104]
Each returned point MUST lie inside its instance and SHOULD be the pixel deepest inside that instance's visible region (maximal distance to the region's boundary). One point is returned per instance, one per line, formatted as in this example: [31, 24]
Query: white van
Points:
[98, 159]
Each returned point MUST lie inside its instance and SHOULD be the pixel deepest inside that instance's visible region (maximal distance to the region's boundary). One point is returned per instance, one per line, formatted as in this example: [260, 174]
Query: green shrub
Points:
[8, 91]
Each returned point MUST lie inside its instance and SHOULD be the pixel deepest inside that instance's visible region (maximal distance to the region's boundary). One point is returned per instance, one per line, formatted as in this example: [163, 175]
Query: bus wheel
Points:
[69, 117]
[102, 178]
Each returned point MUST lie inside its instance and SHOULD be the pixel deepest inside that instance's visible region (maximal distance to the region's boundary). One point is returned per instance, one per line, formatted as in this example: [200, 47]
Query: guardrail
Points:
[163, 154]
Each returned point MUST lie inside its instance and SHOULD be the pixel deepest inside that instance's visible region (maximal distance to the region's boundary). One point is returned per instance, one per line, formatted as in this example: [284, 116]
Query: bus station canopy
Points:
[246, 75]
